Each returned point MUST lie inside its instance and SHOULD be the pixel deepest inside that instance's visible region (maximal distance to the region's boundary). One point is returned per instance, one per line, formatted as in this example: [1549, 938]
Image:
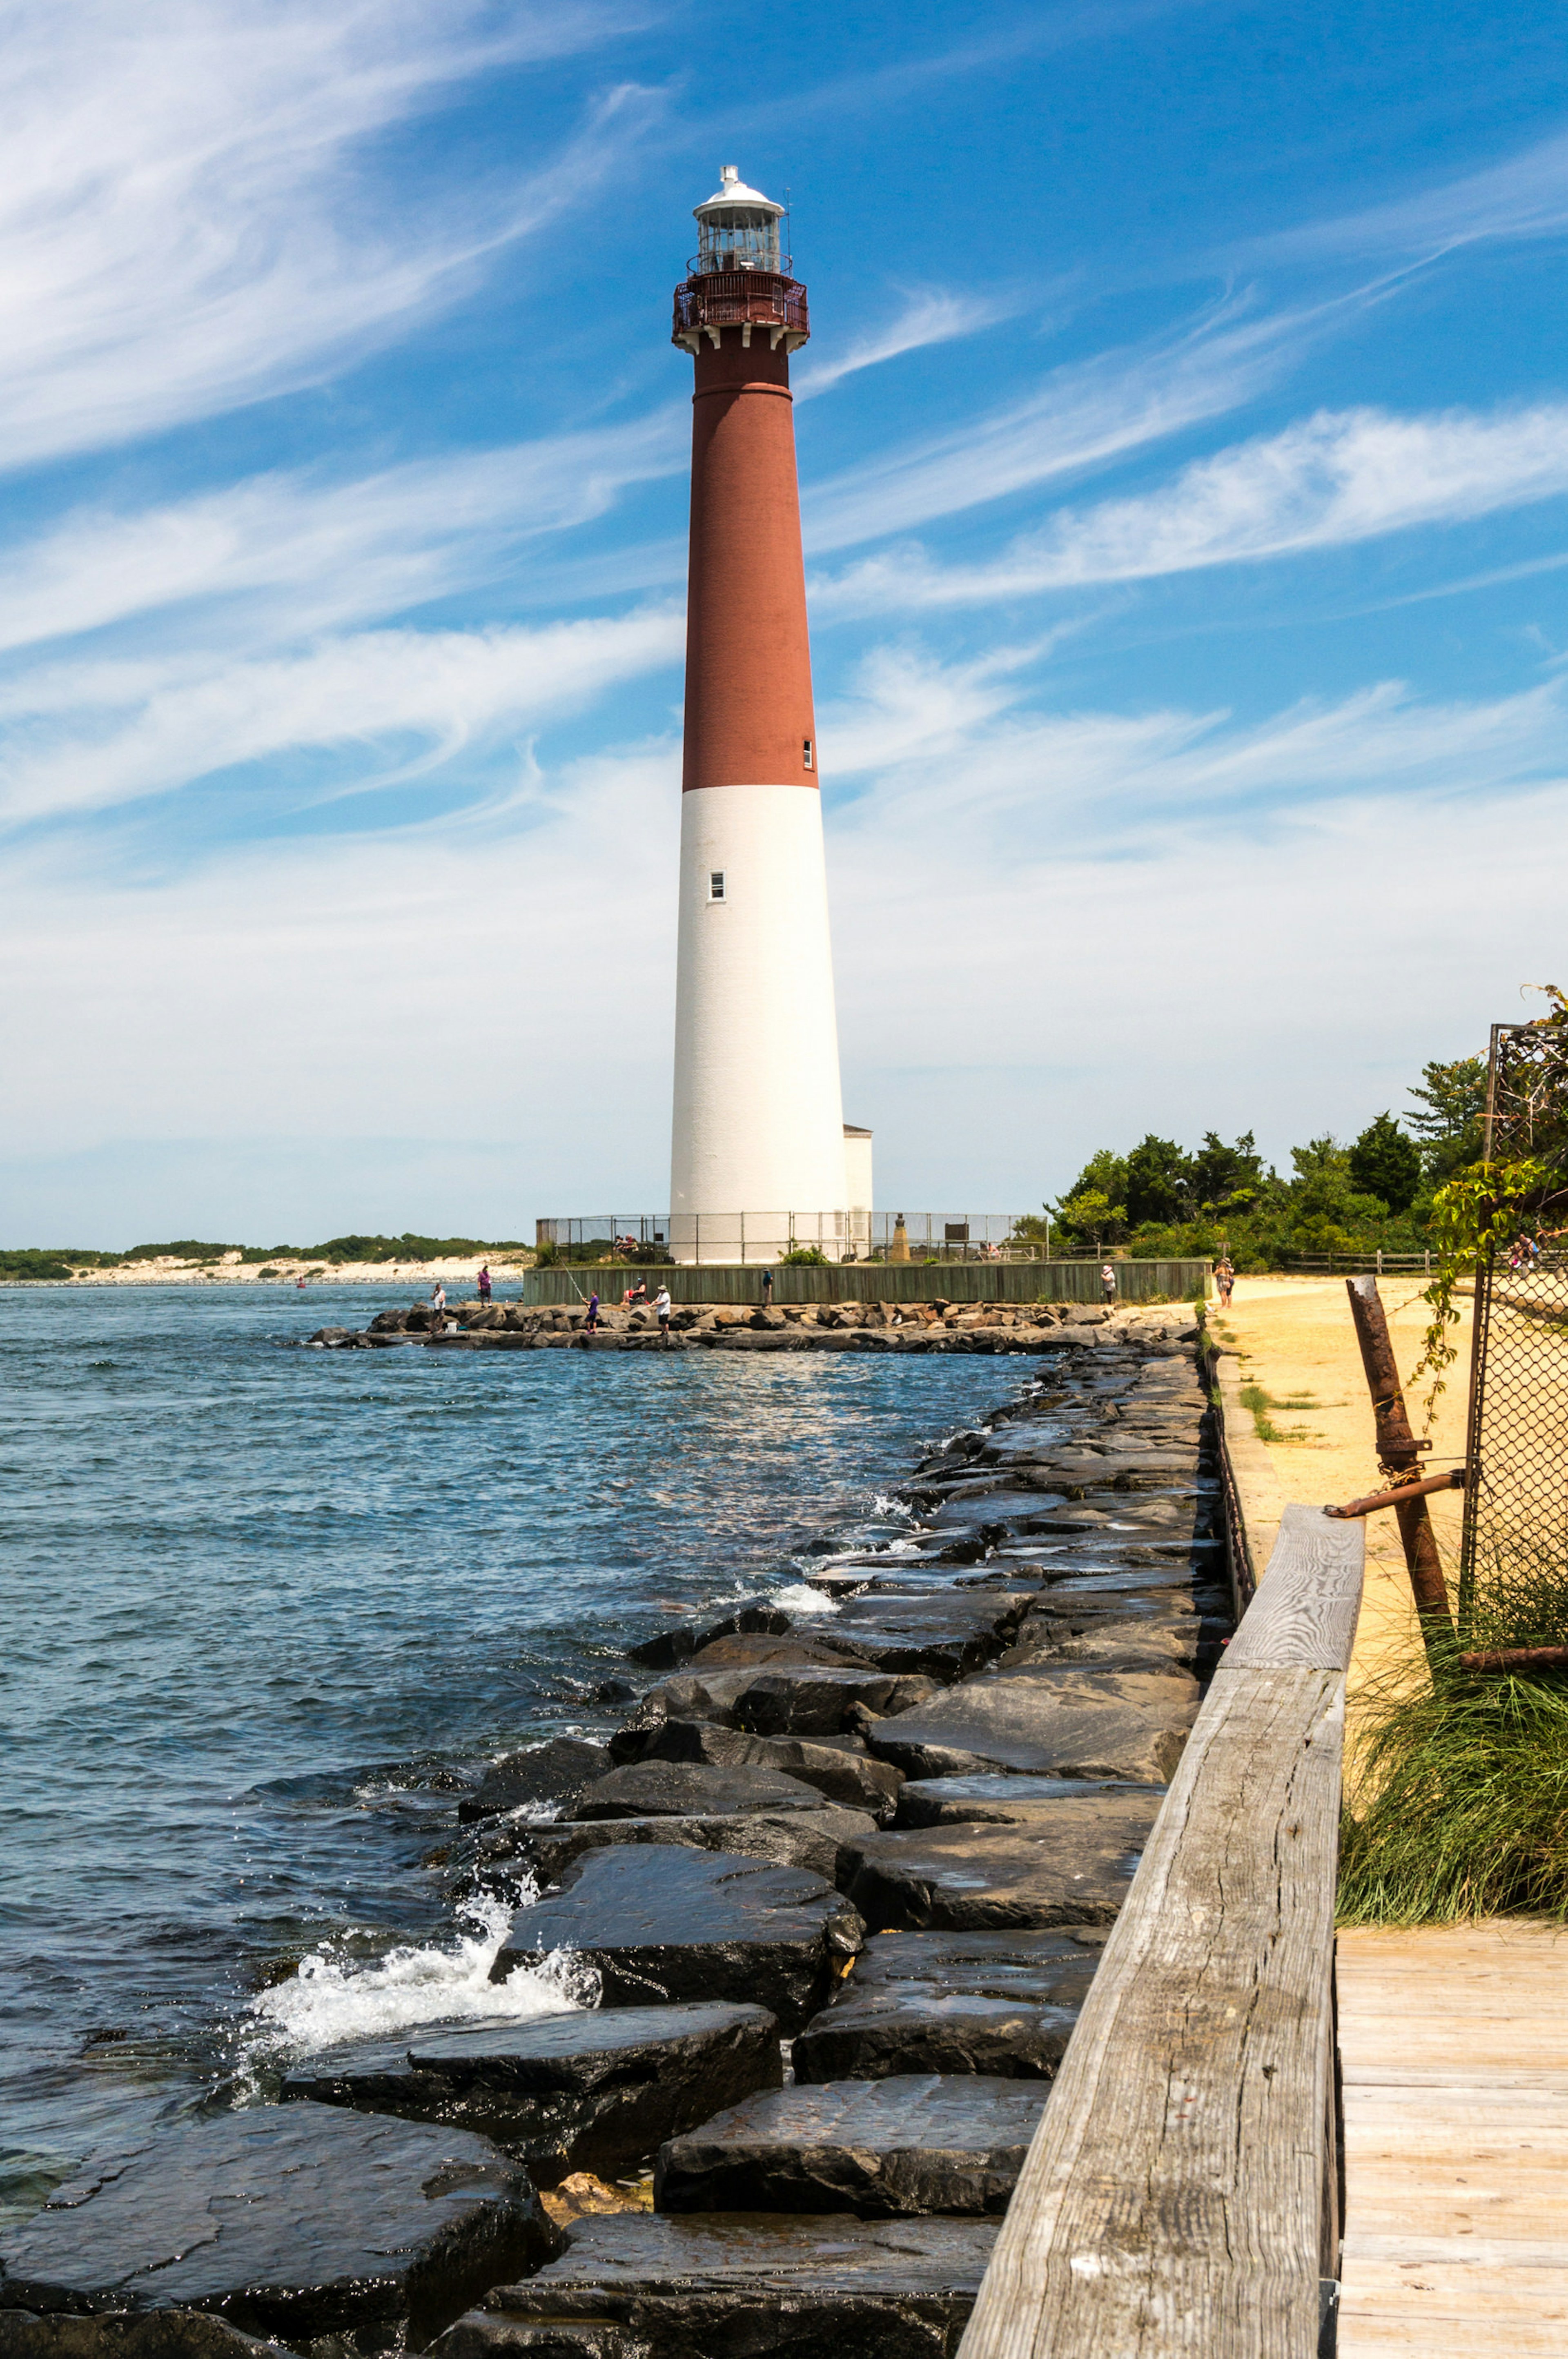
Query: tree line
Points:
[1161, 1202]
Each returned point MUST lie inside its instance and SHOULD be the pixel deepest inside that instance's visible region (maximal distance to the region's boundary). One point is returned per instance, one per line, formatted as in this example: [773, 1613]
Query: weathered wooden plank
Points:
[1304, 1614]
[1455, 2160]
[1171, 2202]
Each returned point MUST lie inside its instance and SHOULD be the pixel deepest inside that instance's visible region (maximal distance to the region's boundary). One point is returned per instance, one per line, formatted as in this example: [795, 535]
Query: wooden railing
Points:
[1180, 2198]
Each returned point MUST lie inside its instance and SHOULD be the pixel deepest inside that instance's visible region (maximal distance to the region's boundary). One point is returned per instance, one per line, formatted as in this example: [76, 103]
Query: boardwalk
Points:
[1454, 2048]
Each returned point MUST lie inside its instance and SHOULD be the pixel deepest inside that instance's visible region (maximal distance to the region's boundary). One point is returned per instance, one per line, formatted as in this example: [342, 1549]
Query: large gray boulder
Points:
[128, 2335]
[738, 2288]
[554, 1772]
[1001, 1799]
[592, 2090]
[1070, 1866]
[667, 1923]
[843, 1774]
[792, 1700]
[811, 1840]
[1068, 1722]
[650, 1789]
[288, 2221]
[909, 2144]
[985, 2002]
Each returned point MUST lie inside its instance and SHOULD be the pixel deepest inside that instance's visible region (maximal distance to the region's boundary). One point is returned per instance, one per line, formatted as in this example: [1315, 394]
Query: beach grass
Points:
[1457, 1801]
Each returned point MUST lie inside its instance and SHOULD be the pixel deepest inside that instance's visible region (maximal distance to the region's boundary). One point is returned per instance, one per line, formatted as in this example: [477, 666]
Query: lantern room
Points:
[737, 229]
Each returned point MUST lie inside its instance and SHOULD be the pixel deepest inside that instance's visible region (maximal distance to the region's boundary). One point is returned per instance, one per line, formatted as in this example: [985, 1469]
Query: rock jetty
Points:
[844, 1881]
[936, 1326]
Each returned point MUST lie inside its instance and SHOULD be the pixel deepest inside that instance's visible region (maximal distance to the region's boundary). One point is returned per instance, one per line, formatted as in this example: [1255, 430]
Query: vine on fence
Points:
[1502, 1205]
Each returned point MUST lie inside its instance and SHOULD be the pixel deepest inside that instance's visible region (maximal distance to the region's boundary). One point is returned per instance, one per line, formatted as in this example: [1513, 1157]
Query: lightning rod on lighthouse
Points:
[760, 1158]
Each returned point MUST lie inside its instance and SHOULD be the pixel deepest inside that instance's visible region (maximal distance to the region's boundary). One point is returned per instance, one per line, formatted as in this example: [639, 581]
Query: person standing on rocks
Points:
[592, 1326]
[483, 1282]
[438, 1308]
[1108, 1282]
[661, 1307]
[768, 1289]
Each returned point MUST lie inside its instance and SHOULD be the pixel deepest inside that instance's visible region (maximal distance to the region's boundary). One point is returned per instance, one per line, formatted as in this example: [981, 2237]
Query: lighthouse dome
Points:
[737, 227]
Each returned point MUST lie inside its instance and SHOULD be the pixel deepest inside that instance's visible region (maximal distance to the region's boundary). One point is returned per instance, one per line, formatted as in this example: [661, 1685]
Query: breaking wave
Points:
[329, 2000]
[802, 1598]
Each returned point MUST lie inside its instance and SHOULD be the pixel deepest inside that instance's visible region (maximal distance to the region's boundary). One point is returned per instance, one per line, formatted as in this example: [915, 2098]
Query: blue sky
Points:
[1184, 457]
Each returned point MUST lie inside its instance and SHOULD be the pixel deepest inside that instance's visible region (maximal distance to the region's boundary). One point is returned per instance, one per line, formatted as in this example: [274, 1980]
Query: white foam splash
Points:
[331, 1999]
[886, 1510]
[802, 1598]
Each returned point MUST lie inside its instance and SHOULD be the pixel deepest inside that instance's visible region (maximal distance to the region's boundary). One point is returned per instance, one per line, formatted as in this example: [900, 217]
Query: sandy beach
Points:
[1293, 1337]
[286, 1270]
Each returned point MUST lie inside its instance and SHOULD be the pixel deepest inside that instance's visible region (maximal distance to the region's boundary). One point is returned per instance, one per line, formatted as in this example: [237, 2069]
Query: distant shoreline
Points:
[166, 1271]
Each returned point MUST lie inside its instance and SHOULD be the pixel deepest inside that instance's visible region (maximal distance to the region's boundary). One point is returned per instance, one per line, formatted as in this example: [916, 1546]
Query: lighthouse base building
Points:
[760, 1159]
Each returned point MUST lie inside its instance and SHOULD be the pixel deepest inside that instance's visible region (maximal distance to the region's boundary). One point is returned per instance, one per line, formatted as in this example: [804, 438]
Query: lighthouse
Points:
[758, 1155]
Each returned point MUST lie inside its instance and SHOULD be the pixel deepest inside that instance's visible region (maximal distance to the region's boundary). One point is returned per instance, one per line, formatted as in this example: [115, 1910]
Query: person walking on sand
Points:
[1224, 1278]
[592, 1324]
[661, 1311]
[1108, 1281]
[483, 1282]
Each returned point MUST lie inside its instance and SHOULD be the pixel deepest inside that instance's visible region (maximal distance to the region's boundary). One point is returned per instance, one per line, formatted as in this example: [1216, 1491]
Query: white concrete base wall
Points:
[758, 1123]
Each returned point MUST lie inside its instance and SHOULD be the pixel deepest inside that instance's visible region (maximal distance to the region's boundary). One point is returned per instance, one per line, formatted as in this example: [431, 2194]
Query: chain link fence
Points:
[1516, 1505]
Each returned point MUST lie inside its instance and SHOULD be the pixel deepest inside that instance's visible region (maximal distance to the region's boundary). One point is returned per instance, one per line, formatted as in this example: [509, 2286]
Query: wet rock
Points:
[811, 1840]
[555, 1772]
[813, 1702]
[674, 1923]
[719, 1674]
[152, 2334]
[946, 1636]
[998, 2002]
[1071, 1866]
[644, 1789]
[592, 2090]
[1064, 1724]
[737, 2288]
[290, 2221]
[671, 1648]
[912, 2143]
[853, 1779]
[1122, 1645]
[1003, 1799]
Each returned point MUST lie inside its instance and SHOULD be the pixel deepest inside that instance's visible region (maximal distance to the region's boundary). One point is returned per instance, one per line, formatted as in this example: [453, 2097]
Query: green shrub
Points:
[804, 1257]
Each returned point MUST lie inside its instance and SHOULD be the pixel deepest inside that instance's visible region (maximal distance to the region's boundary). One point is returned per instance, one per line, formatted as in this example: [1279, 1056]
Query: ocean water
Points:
[263, 1606]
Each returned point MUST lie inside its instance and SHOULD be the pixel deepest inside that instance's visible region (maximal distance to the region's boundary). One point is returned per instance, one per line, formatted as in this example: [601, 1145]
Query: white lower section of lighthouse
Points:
[758, 1159]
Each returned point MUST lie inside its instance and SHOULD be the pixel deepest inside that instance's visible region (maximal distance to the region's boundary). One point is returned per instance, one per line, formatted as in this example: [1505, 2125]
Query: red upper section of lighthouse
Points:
[722, 299]
[749, 720]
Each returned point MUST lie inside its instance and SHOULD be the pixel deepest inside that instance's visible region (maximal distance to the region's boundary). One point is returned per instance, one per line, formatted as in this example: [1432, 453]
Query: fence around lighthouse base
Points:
[873, 1282]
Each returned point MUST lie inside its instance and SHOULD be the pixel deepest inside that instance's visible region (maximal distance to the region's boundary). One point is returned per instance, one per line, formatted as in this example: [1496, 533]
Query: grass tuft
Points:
[1459, 1801]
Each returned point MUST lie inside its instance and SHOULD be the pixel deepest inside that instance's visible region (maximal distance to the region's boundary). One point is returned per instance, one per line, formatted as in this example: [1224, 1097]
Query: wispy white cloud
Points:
[1084, 415]
[309, 553]
[190, 216]
[999, 772]
[84, 737]
[1524, 197]
[932, 317]
[1330, 480]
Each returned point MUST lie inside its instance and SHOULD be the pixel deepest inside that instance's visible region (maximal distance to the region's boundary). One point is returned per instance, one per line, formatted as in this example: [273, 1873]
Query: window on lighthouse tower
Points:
[715, 885]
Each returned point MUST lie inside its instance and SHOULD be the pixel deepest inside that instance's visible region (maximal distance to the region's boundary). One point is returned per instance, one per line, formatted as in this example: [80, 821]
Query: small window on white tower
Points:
[808, 753]
[715, 885]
